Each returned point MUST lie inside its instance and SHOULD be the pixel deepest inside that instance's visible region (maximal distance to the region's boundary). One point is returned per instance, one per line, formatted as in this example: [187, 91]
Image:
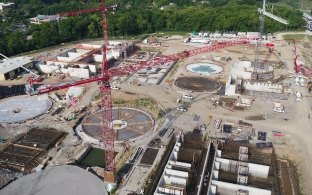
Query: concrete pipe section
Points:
[21, 108]
[196, 84]
[128, 123]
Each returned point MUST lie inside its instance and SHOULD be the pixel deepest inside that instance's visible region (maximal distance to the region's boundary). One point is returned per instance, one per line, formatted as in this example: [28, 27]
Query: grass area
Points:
[305, 4]
[170, 33]
[310, 38]
[297, 37]
[255, 118]
[141, 103]
[157, 34]
[123, 158]
[173, 72]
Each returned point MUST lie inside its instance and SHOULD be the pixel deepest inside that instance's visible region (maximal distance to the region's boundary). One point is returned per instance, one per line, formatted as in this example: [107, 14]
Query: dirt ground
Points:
[294, 146]
[294, 122]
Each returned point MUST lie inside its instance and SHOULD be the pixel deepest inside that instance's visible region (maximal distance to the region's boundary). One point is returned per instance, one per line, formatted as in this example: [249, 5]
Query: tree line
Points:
[138, 20]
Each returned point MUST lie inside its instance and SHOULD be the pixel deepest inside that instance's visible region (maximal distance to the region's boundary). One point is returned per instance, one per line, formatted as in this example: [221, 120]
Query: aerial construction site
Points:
[203, 113]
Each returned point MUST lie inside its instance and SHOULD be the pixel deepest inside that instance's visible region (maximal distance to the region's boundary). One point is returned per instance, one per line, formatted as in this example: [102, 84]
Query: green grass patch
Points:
[290, 37]
[141, 103]
[310, 38]
[170, 33]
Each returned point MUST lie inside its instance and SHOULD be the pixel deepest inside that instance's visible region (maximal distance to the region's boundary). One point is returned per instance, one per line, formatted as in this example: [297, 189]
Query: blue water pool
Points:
[204, 68]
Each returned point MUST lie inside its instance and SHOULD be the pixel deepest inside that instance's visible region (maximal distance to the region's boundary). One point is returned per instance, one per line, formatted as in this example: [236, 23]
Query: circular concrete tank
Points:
[128, 123]
[21, 108]
[196, 84]
[204, 68]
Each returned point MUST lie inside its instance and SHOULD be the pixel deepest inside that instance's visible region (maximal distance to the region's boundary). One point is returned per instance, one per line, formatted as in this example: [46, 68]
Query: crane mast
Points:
[106, 109]
[257, 64]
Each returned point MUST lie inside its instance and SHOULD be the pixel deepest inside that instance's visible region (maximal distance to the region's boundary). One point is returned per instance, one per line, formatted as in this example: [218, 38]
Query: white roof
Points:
[278, 105]
[14, 63]
[74, 91]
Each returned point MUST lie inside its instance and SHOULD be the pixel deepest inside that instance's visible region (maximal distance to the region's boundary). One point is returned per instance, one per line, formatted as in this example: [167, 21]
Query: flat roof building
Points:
[44, 18]
[10, 69]
[6, 6]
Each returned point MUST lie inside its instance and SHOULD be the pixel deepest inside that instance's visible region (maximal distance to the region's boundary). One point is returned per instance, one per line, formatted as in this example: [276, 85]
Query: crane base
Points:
[110, 176]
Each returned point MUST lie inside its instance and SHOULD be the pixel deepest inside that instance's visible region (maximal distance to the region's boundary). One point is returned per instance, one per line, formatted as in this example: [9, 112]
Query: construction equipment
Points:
[257, 64]
[300, 68]
[105, 89]
[310, 86]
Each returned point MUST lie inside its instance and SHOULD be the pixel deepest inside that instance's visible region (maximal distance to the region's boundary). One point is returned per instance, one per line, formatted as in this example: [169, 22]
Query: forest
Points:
[133, 17]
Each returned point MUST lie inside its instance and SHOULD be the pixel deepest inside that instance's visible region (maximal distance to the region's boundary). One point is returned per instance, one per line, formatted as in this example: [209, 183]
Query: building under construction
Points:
[218, 167]
[28, 150]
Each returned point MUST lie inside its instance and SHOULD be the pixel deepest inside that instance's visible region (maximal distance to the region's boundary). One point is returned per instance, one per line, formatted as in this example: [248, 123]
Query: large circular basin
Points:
[204, 68]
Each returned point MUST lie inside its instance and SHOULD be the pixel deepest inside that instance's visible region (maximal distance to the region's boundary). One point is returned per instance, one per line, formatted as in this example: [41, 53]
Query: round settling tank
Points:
[128, 123]
[21, 108]
[197, 84]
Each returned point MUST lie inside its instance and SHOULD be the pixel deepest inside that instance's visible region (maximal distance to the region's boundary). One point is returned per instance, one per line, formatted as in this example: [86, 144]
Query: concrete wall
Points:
[229, 88]
[241, 70]
[264, 87]
[171, 172]
[110, 54]
[47, 69]
[172, 180]
[163, 191]
[219, 153]
[79, 72]
[236, 187]
[170, 176]
[2, 78]
[82, 72]
[92, 68]
[180, 164]
[253, 169]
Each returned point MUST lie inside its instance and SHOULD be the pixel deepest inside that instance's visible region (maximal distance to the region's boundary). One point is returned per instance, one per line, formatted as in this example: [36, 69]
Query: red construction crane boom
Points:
[145, 64]
[299, 68]
[102, 8]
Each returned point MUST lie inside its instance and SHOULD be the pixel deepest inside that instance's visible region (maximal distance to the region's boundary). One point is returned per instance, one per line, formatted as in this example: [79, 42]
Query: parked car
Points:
[181, 109]
[188, 96]
[115, 87]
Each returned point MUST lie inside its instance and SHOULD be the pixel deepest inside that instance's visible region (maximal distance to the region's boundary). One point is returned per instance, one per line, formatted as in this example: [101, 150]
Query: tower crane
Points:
[257, 64]
[299, 68]
[106, 103]
[105, 90]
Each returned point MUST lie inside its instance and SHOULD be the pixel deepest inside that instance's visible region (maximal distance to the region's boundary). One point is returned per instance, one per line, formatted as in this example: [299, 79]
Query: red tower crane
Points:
[106, 102]
[299, 68]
